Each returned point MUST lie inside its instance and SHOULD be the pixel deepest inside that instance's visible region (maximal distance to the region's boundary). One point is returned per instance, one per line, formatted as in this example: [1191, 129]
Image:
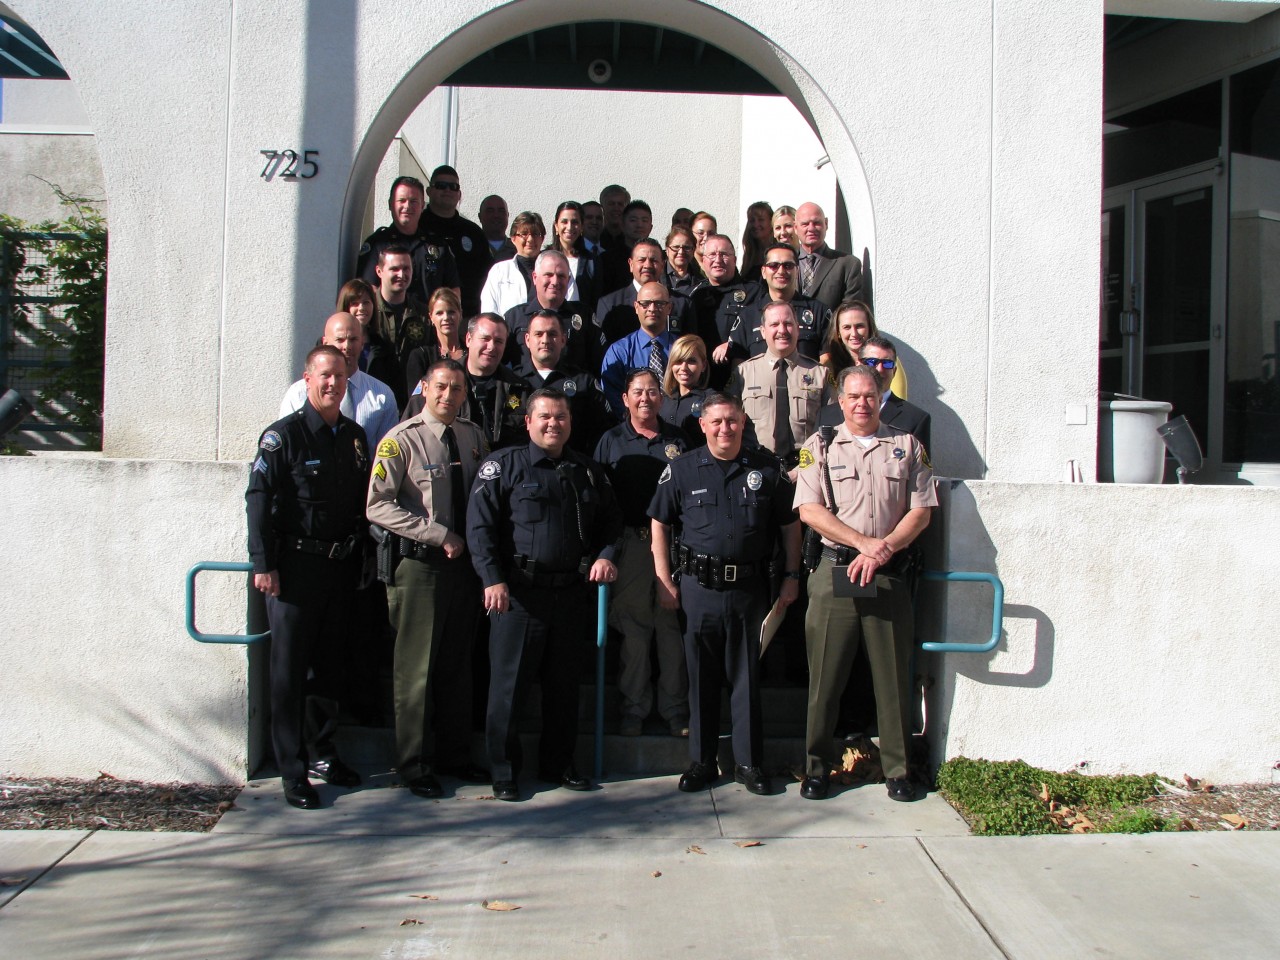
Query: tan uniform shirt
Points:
[808, 390]
[409, 489]
[874, 487]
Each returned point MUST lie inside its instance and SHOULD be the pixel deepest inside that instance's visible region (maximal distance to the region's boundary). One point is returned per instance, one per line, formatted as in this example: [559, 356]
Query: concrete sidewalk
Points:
[615, 874]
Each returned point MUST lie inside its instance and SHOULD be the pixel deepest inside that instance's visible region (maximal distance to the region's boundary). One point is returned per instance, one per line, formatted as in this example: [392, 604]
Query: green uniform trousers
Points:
[834, 627]
[433, 607]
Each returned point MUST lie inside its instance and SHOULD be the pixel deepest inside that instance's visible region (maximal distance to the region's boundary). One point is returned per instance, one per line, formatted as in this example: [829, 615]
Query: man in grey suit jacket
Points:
[831, 276]
[903, 415]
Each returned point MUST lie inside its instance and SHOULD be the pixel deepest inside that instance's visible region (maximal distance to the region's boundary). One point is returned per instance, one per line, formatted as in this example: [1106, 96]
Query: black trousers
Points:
[542, 637]
[722, 643]
[309, 624]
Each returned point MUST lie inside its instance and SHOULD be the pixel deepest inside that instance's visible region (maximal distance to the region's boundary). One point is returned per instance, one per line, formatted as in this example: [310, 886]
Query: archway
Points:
[519, 18]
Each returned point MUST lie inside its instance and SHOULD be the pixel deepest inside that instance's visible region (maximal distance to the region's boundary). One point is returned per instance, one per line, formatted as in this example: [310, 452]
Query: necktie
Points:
[657, 358]
[784, 443]
[807, 266]
[457, 487]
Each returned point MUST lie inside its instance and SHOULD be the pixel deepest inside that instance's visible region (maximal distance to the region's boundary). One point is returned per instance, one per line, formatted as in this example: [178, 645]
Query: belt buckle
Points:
[730, 573]
[335, 551]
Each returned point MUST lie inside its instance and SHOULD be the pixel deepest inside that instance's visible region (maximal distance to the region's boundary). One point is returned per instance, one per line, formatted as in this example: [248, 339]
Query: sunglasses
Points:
[445, 185]
[883, 364]
[780, 265]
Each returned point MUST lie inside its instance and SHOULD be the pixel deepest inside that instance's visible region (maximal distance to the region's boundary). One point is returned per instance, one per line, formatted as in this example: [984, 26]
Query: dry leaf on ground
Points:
[410, 922]
[501, 906]
[12, 881]
[1237, 822]
[656, 873]
[694, 848]
[424, 896]
[748, 843]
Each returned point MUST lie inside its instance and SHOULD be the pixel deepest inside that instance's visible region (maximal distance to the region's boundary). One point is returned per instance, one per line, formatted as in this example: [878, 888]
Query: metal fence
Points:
[31, 302]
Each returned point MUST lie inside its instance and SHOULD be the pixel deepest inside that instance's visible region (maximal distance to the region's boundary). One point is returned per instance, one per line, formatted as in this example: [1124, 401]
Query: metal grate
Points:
[31, 303]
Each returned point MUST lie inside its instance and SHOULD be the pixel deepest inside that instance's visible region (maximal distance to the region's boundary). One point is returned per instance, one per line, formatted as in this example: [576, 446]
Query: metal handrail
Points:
[602, 635]
[221, 567]
[997, 610]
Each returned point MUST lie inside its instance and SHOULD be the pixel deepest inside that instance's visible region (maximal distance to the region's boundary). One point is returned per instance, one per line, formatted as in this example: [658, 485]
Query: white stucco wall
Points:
[1139, 630]
[96, 669]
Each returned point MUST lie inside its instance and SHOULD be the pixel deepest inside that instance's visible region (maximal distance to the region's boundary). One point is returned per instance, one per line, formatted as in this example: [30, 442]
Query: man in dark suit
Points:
[831, 276]
[880, 353]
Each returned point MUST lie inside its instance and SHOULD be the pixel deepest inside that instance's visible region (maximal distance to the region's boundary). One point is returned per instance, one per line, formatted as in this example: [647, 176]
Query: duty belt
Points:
[420, 551]
[897, 566]
[719, 573]
[528, 573]
[339, 550]
[838, 555]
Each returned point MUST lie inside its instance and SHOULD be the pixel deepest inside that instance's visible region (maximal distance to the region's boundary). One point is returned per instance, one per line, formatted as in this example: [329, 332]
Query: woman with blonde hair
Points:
[756, 239]
[684, 387]
[445, 312]
[784, 226]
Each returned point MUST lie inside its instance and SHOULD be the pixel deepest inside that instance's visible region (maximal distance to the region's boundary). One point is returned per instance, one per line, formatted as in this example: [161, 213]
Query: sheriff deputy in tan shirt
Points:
[418, 491]
[882, 486]
[778, 380]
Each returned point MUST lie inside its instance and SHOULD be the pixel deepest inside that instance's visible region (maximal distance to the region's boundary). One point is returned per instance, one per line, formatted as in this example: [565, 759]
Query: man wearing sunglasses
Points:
[464, 237]
[880, 354]
[780, 272]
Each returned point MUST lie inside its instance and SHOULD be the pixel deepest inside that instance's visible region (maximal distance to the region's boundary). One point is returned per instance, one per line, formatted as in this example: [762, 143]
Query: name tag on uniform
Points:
[694, 493]
[311, 468]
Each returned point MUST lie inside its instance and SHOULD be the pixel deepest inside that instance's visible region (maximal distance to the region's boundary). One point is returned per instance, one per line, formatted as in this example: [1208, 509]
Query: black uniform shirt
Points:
[573, 321]
[470, 250]
[812, 320]
[635, 462]
[730, 511]
[433, 263]
[553, 513]
[592, 414]
[309, 480]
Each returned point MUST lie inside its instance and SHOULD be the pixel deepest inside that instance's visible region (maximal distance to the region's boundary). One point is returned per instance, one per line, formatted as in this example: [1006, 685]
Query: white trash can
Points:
[1129, 449]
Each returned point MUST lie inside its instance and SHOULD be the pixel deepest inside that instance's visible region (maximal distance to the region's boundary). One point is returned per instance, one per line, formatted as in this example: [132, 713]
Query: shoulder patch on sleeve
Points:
[924, 457]
[806, 458]
[380, 471]
[490, 469]
[260, 466]
[270, 441]
[388, 448]
[666, 474]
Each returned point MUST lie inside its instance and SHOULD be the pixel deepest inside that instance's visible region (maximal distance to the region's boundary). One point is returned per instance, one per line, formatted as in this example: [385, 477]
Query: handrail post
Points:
[997, 610]
[602, 635]
[219, 567]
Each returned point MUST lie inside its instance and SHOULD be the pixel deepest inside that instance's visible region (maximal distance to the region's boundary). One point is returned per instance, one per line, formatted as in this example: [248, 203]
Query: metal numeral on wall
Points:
[285, 164]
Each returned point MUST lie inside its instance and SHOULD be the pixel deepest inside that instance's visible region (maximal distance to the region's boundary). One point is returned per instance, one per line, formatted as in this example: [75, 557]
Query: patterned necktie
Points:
[457, 487]
[807, 266]
[784, 443]
[657, 358]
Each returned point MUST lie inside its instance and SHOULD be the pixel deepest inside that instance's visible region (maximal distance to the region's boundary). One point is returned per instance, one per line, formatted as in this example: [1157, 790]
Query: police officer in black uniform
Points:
[726, 504]
[813, 317]
[433, 262]
[720, 303]
[544, 365]
[541, 524]
[307, 528]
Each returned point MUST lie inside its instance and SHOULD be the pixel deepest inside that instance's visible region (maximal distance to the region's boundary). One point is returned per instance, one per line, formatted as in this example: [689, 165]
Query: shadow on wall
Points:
[961, 613]
[953, 452]
[328, 116]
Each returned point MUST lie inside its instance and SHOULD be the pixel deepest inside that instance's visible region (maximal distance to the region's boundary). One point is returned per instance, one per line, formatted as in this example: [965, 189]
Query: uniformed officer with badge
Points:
[782, 392]
[635, 452]
[725, 506]
[544, 365]
[551, 278]
[433, 262]
[721, 303]
[417, 495]
[868, 492]
[542, 524]
[307, 529]
[813, 317]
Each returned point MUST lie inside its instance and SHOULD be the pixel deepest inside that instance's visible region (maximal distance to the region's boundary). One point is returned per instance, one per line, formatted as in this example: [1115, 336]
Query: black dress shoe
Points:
[425, 785]
[815, 788]
[301, 794]
[335, 772]
[699, 776]
[466, 772]
[753, 779]
[505, 790]
[569, 779]
[900, 788]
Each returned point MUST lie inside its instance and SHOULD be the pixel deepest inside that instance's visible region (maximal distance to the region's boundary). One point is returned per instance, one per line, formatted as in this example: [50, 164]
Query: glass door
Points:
[1160, 334]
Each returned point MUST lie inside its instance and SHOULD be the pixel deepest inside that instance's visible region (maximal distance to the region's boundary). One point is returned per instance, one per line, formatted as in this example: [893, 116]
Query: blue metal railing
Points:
[221, 567]
[602, 635]
[997, 610]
